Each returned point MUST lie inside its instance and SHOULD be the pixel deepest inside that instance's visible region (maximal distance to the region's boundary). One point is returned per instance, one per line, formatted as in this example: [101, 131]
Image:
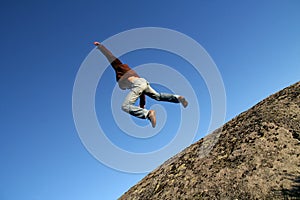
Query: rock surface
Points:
[256, 155]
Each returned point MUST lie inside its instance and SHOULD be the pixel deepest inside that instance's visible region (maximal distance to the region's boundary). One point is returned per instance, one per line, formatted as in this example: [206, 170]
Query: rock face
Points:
[256, 155]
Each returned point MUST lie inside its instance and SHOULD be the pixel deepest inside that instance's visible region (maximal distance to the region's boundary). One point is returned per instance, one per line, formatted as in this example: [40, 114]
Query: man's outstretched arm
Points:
[110, 57]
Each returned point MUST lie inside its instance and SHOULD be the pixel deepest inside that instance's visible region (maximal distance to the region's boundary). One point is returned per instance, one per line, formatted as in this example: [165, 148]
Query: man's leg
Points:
[149, 91]
[129, 107]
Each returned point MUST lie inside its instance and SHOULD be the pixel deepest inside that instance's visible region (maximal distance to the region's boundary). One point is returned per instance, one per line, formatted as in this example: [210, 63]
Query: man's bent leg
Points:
[161, 96]
[129, 107]
[149, 91]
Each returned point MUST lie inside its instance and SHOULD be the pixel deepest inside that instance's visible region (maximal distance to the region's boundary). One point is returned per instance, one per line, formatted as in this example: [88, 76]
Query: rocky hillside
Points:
[256, 155]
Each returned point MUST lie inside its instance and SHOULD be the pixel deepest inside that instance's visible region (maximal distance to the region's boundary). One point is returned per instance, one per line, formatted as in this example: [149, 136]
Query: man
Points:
[139, 87]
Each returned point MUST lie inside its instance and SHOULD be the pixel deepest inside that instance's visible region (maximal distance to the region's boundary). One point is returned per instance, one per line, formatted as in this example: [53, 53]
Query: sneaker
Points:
[151, 116]
[183, 101]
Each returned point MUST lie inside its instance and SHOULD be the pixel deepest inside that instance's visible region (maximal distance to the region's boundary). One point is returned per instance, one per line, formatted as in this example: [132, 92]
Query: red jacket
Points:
[123, 72]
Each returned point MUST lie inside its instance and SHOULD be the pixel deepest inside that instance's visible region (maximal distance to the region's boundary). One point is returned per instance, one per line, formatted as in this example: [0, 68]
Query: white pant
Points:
[139, 86]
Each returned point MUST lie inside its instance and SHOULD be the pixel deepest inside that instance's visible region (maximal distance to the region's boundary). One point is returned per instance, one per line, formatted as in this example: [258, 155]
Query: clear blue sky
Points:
[255, 44]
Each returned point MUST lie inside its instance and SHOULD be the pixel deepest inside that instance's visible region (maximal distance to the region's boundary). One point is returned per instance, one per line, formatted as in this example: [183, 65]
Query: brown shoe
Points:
[183, 101]
[151, 116]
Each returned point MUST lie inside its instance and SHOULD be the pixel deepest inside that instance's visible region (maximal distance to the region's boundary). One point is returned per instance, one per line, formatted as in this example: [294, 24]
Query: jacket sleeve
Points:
[110, 57]
[142, 100]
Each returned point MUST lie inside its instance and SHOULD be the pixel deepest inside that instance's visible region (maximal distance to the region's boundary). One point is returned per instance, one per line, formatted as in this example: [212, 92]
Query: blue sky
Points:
[255, 44]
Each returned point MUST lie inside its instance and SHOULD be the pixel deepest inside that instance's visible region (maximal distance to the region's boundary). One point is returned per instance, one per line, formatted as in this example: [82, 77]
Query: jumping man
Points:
[139, 87]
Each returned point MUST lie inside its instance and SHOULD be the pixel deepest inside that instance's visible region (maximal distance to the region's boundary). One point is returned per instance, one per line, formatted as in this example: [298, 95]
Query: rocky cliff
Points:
[256, 155]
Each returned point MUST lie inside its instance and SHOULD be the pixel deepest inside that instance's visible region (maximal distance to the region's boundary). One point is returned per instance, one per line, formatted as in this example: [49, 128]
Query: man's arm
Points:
[110, 57]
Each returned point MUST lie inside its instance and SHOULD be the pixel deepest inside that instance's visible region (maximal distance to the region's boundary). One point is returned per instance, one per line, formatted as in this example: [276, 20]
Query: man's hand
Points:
[96, 43]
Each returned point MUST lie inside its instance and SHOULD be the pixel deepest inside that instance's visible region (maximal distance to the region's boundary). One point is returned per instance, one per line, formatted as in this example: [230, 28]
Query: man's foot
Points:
[151, 116]
[183, 101]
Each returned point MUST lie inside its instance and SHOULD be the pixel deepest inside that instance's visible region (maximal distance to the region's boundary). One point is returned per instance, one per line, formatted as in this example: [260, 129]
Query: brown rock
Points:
[253, 156]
